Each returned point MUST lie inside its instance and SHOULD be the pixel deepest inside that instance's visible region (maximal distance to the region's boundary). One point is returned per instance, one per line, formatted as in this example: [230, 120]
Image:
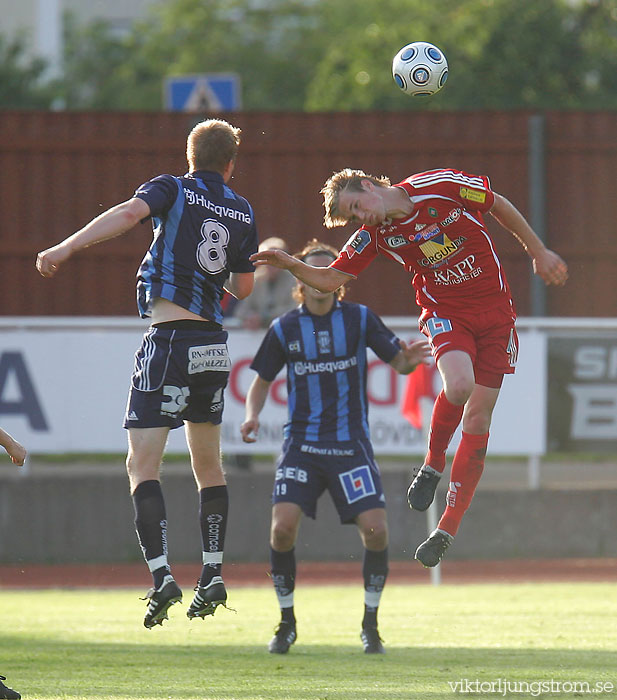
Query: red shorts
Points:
[488, 337]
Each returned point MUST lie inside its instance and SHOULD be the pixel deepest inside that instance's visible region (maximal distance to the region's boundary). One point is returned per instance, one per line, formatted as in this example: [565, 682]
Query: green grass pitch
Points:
[91, 644]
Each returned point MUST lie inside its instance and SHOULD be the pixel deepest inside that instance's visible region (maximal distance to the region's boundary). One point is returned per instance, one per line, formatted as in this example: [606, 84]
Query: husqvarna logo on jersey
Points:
[199, 199]
[302, 368]
[357, 243]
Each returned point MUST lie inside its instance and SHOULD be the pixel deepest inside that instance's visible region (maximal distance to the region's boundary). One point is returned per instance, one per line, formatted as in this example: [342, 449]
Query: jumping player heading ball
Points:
[432, 223]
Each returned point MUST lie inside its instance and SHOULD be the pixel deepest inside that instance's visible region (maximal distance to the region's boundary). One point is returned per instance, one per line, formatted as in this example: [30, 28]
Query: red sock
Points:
[444, 421]
[467, 469]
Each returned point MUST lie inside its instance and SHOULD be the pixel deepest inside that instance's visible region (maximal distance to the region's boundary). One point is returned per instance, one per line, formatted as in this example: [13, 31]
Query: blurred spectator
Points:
[271, 297]
[272, 293]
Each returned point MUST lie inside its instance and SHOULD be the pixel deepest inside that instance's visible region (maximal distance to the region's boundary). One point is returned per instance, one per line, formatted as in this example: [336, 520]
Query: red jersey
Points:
[443, 243]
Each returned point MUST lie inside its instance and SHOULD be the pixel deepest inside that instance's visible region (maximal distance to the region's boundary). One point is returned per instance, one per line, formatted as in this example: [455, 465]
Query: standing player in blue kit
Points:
[204, 234]
[323, 344]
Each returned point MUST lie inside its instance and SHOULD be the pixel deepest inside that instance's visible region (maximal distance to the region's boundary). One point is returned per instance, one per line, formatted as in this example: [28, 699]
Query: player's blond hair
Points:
[212, 145]
[315, 247]
[346, 179]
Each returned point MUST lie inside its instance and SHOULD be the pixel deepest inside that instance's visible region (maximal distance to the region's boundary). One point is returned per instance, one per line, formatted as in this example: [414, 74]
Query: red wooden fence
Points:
[58, 170]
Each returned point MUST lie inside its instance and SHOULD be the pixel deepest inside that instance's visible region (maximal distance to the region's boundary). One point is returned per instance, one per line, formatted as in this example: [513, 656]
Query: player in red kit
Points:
[432, 223]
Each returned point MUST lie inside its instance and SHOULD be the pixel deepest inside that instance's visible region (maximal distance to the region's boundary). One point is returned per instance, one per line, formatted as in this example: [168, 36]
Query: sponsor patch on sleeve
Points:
[472, 195]
[357, 243]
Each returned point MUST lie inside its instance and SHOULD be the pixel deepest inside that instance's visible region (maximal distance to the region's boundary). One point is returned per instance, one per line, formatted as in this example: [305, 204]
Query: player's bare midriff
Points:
[164, 310]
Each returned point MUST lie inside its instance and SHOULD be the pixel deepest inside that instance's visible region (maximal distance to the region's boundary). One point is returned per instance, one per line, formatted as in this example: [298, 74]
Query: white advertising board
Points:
[64, 383]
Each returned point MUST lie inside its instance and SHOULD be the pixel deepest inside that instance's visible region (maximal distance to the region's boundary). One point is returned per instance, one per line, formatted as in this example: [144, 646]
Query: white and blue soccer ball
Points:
[420, 68]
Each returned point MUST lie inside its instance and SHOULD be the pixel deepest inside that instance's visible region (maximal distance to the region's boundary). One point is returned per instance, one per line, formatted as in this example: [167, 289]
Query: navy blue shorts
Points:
[346, 469]
[179, 375]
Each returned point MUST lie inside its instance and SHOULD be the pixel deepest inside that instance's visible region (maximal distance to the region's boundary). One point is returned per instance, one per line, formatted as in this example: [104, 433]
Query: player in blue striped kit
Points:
[204, 233]
[323, 345]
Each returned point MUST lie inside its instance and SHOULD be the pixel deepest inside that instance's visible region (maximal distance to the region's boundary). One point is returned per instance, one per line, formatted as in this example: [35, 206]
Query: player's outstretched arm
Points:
[255, 400]
[411, 356]
[109, 224]
[325, 279]
[15, 450]
[546, 263]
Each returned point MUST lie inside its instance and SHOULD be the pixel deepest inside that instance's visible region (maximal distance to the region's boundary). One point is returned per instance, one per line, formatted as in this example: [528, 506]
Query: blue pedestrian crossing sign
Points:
[209, 92]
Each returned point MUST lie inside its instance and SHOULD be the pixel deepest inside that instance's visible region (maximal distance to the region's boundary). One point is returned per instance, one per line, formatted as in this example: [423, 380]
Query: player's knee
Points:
[459, 390]
[477, 424]
[141, 469]
[476, 419]
[282, 536]
[375, 536]
[131, 465]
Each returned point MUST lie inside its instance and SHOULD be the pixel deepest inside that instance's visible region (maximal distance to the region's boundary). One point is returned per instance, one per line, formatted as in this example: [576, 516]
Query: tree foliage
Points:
[502, 54]
[183, 37]
[102, 71]
[21, 86]
[329, 55]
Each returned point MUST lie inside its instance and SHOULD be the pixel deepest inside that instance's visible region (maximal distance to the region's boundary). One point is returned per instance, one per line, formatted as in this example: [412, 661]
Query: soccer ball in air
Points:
[420, 68]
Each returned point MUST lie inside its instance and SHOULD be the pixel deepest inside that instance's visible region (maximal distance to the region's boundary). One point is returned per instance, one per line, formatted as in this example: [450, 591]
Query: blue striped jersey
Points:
[203, 231]
[326, 361]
